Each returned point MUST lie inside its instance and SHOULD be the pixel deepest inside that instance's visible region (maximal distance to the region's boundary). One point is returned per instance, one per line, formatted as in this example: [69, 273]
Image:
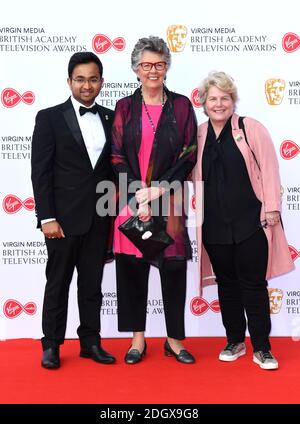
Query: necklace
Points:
[147, 111]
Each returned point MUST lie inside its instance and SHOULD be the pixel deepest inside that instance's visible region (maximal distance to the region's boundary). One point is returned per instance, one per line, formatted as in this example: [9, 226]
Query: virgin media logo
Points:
[12, 308]
[101, 43]
[295, 254]
[200, 306]
[289, 149]
[12, 204]
[290, 42]
[10, 97]
[195, 98]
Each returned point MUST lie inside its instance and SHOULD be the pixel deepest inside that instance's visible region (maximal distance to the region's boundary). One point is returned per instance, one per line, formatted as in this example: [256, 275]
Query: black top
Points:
[231, 209]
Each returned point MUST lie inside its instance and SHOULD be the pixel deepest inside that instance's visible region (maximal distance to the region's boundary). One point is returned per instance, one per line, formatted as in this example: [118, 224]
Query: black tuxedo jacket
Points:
[64, 181]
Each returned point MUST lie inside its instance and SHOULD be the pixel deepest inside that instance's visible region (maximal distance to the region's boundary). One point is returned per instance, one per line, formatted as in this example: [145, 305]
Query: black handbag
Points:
[149, 237]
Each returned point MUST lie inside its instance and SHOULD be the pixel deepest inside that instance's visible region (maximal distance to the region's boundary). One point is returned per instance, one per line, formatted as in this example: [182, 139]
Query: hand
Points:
[144, 213]
[52, 230]
[272, 218]
[146, 195]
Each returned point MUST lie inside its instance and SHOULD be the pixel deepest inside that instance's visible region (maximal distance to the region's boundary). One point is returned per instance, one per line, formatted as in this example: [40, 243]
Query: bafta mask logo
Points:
[275, 297]
[176, 37]
[274, 89]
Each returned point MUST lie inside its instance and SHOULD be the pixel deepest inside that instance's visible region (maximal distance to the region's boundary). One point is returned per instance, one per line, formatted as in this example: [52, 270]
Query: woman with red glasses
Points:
[153, 140]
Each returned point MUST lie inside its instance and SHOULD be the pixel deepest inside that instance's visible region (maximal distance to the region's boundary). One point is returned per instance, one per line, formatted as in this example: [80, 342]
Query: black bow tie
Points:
[83, 110]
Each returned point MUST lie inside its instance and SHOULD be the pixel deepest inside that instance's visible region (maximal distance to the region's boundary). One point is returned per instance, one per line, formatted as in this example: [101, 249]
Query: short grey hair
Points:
[151, 44]
[220, 80]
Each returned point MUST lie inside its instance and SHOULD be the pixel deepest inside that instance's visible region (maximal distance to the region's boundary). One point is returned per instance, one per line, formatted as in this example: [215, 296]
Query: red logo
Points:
[200, 306]
[101, 43]
[193, 202]
[294, 253]
[289, 149]
[290, 42]
[12, 308]
[12, 204]
[10, 97]
[195, 98]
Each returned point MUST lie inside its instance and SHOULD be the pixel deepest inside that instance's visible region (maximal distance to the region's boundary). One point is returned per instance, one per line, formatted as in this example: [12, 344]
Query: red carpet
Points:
[156, 380]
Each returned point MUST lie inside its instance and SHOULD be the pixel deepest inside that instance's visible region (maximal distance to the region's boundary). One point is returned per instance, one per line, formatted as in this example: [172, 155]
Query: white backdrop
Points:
[252, 44]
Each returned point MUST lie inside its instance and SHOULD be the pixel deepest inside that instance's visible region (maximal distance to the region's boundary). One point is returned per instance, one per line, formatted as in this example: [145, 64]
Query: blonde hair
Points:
[222, 81]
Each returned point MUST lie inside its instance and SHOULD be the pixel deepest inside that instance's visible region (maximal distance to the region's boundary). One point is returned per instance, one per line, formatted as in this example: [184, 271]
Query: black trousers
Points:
[240, 270]
[132, 292]
[86, 253]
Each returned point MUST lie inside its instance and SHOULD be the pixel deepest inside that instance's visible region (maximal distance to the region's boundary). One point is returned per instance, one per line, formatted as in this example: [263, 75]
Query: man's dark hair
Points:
[82, 58]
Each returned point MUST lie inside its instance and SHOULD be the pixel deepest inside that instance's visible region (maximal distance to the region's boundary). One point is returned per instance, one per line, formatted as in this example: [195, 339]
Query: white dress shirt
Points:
[92, 132]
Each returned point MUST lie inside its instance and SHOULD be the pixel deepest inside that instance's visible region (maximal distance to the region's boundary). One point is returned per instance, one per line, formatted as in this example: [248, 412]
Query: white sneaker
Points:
[232, 351]
[265, 360]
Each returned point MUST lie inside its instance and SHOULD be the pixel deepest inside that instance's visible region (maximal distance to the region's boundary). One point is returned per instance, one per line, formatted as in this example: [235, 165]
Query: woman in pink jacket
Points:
[241, 233]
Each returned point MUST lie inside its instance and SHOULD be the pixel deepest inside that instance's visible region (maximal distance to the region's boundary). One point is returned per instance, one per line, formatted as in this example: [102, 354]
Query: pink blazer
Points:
[266, 186]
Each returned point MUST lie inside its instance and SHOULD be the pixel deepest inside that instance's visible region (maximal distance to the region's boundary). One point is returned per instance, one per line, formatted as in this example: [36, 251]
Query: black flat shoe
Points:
[97, 354]
[133, 356]
[50, 358]
[183, 356]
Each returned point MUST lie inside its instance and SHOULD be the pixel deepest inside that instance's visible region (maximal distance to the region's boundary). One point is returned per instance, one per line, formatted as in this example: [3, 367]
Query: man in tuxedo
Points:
[70, 156]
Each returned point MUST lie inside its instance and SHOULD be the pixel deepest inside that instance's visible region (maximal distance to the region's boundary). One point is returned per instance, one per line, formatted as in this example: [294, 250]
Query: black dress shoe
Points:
[133, 356]
[183, 356]
[96, 353]
[50, 358]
